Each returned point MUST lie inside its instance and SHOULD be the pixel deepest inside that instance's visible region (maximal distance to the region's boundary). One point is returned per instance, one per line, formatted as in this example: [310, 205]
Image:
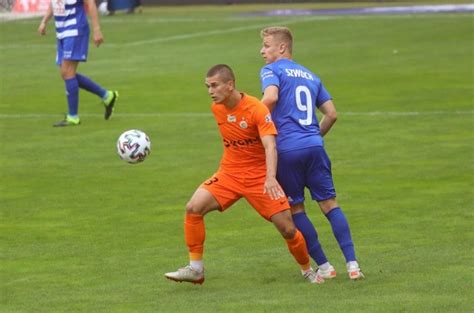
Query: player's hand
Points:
[98, 38]
[273, 188]
[42, 29]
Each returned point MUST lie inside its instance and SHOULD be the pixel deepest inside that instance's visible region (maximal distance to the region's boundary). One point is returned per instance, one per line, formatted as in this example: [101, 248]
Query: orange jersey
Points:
[241, 129]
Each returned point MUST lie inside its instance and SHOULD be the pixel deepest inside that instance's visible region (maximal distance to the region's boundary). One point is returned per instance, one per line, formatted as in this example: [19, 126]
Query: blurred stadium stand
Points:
[182, 2]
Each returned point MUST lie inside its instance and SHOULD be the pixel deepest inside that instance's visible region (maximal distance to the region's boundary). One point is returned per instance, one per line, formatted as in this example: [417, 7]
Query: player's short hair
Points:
[223, 70]
[281, 33]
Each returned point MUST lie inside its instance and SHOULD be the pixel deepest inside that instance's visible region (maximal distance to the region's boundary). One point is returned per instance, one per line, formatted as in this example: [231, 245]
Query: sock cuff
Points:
[299, 214]
[333, 211]
[193, 218]
[72, 79]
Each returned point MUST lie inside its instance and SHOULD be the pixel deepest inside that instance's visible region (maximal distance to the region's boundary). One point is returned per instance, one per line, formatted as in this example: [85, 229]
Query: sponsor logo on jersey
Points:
[266, 75]
[268, 118]
[298, 73]
[231, 118]
[241, 143]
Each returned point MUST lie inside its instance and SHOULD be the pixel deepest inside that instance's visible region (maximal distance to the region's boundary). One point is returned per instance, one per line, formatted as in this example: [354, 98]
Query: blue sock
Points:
[72, 93]
[310, 235]
[89, 85]
[340, 229]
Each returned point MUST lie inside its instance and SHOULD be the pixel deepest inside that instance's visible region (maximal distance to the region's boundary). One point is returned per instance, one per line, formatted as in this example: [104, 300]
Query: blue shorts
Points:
[72, 48]
[309, 167]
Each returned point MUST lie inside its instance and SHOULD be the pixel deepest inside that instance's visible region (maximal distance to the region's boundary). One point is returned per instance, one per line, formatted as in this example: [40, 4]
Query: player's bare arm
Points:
[96, 32]
[270, 97]
[44, 21]
[329, 116]
[271, 187]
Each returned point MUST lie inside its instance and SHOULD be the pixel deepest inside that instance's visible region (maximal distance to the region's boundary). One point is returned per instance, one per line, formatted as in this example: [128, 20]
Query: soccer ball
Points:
[133, 146]
[103, 8]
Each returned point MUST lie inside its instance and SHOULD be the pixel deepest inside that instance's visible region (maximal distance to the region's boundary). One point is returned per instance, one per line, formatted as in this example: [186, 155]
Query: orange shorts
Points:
[228, 189]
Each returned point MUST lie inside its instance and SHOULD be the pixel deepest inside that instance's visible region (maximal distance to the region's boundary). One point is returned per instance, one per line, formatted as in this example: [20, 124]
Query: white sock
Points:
[197, 265]
[325, 266]
[352, 264]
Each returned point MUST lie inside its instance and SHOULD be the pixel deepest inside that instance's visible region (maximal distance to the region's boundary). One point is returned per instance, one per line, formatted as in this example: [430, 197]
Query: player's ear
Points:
[282, 48]
[231, 84]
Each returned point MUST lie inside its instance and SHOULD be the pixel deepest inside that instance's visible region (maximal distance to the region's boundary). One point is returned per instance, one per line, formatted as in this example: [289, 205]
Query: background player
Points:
[293, 93]
[247, 169]
[72, 33]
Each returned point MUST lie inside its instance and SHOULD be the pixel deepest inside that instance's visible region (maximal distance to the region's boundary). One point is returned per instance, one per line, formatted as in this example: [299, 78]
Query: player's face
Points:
[270, 49]
[218, 89]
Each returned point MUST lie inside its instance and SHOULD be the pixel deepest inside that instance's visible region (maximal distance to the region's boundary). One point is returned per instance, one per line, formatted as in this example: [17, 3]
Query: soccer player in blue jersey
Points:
[293, 93]
[72, 34]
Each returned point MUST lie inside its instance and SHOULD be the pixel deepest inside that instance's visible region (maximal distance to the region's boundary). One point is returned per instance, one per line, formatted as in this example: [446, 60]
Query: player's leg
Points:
[68, 74]
[200, 203]
[322, 190]
[296, 244]
[210, 196]
[292, 177]
[109, 98]
[71, 51]
[277, 212]
[342, 233]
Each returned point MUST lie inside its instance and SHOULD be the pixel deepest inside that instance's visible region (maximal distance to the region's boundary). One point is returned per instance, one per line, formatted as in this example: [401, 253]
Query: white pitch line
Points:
[199, 114]
[271, 21]
[214, 32]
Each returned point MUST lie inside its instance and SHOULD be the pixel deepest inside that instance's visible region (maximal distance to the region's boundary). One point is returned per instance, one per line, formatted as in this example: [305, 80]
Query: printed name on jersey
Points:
[240, 143]
[298, 73]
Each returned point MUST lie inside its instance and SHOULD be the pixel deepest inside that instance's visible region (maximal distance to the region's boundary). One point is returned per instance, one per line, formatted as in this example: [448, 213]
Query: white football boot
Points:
[313, 276]
[186, 274]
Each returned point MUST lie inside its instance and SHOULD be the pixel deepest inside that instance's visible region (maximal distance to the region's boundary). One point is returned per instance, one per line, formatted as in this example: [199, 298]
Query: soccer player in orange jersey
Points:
[247, 169]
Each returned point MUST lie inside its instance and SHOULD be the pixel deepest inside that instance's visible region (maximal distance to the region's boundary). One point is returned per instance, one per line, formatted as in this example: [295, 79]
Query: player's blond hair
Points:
[280, 33]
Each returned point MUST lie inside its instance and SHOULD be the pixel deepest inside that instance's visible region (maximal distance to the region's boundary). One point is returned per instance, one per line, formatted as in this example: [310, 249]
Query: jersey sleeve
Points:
[323, 95]
[268, 77]
[263, 120]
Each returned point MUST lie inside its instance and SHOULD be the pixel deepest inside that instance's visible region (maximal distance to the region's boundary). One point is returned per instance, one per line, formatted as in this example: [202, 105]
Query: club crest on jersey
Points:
[231, 118]
[243, 124]
[268, 118]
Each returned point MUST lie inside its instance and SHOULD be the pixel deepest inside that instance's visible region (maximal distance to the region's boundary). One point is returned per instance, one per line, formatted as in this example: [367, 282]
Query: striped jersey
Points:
[70, 18]
[300, 93]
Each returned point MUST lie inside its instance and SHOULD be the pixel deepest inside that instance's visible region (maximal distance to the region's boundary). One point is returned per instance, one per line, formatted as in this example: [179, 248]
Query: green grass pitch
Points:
[82, 231]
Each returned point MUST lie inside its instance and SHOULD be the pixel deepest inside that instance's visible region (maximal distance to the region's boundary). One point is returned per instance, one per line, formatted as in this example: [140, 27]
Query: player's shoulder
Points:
[251, 101]
[307, 70]
[254, 106]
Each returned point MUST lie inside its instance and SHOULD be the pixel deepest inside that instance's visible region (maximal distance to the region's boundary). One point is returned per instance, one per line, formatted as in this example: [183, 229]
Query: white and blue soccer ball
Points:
[133, 146]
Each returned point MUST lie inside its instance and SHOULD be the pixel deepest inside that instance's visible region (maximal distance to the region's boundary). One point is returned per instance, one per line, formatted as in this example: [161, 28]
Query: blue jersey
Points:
[70, 18]
[300, 93]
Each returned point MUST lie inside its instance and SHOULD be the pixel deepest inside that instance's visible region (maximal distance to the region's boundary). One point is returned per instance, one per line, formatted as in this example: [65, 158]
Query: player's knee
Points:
[288, 231]
[65, 74]
[328, 205]
[192, 207]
